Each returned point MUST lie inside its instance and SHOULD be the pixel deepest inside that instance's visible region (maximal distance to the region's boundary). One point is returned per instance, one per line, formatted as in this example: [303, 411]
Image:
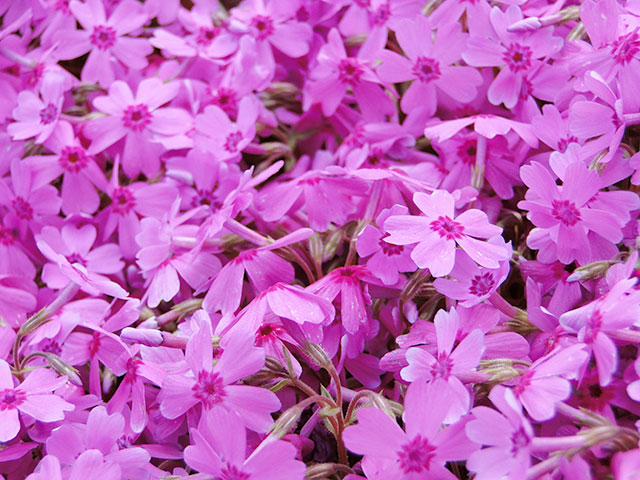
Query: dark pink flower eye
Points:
[103, 37]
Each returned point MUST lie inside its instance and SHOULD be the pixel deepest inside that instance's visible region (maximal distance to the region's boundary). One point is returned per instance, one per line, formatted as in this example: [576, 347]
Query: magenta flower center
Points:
[136, 117]
[94, 344]
[49, 114]
[626, 47]
[525, 381]
[302, 14]
[209, 389]
[206, 35]
[481, 284]
[442, 367]
[416, 456]
[133, 364]
[382, 14]
[467, 152]
[447, 228]
[426, 69]
[6, 237]
[231, 472]
[563, 143]
[517, 57]
[77, 258]
[263, 26]
[22, 208]
[122, 200]
[519, 440]
[231, 143]
[73, 159]
[389, 249]
[593, 327]
[350, 71]
[103, 37]
[565, 211]
[51, 346]
[11, 398]
[225, 98]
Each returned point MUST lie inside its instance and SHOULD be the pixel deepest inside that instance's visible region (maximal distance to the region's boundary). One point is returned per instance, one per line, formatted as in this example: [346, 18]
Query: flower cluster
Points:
[319, 239]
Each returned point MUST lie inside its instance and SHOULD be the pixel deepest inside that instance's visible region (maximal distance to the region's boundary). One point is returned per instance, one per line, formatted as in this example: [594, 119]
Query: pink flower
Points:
[421, 450]
[102, 433]
[449, 364]
[544, 383]
[618, 309]
[219, 448]
[130, 202]
[385, 260]
[438, 232]
[214, 387]
[291, 302]
[567, 224]
[32, 397]
[329, 196]
[204, 38]
[161, 260]
[88, 464]
[336, 72]
[37, 116]
[139, 120]
[517, 53]
[430, 64]
[506, 433]
[105, 39]
[470, 283]
[81, 174]
[351, 283]
[69, 250]
[264, 269]
[223, 138]
[272, 24]
[29, 204]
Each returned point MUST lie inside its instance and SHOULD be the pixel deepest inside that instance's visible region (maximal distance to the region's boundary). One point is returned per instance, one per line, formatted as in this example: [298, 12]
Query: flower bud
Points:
[63, 368]
[143, 336]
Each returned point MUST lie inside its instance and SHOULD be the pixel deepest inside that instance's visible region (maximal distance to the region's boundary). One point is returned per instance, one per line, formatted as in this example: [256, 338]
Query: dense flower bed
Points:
[321, 239]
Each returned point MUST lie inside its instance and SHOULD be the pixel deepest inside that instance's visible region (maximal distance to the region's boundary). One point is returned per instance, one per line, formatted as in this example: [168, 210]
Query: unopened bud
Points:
[530, 24]
[143, 336]
[285, 422]
[325, 470]
[32, 323]
[318, 355]
[274, 365]
[590, 271]
[63, 368]
[332, 244]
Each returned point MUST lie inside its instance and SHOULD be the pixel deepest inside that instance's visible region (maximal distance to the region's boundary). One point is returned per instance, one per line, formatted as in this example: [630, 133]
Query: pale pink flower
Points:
[81, 174]
[204, 38]
[33, 397]
[222, 137]
[438, 232]
[72, 257]
[37, 116]
[430, 64]
[422, 449]
[105, 39]
[385, 260]
[545, 382]
[449, 364]
[214, 387]
[30, 205]
[140, 121]
[219, 448]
